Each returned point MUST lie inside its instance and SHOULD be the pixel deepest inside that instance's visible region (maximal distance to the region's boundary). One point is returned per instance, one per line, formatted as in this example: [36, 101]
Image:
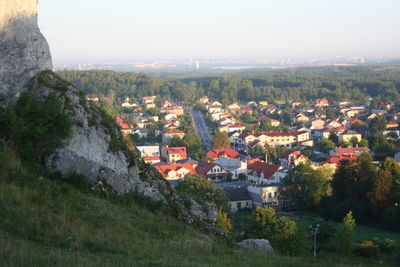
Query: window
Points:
[238, 205]
[269, 195]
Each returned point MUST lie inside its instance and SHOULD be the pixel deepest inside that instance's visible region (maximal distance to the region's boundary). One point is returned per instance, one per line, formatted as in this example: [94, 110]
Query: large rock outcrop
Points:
[257, 244]
[95, 148]
[23, 50]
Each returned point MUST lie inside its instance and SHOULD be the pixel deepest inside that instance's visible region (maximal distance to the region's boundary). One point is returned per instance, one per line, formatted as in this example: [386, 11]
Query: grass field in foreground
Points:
[50, 223]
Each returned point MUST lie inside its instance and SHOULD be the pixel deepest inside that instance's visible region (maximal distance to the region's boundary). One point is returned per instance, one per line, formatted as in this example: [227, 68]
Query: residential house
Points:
[280, 138]
[291, 158]
[349, 150]
[217, 153]
[216, 103]
[149, 100]
[317, 124]
[170, 116]
[333, 160]
[239, 198]
[333, 124]
[177, 110]
[212, 171]
[325, 133]
[349, 135]
[173, 154]
[151, 159]
[263, 103]
[92, 97]
[234, 108]
[175, 171]
[301, 118]
[248, 110]
[296, 104]
[274, 123]
[263, 173]
[149, 150]
[204, 100]
[166, 104]
[169, 134]
[266, 195]
[235, 166]
[323, 102]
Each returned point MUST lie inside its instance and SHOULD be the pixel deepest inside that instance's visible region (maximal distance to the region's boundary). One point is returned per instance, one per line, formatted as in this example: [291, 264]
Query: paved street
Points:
[201, 128]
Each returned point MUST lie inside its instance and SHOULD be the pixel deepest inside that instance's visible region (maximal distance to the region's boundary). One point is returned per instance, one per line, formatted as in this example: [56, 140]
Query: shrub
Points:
[35, 127]
[385, 245]
[391, 218]
[367, 249]
[223, 221]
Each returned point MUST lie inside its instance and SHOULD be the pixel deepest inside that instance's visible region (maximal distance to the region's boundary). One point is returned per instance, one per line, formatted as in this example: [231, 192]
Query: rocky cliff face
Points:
[23, 50]
[96, 148]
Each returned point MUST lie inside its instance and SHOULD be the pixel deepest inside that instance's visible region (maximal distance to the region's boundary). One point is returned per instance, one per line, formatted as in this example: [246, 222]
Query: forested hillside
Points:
[341, 83]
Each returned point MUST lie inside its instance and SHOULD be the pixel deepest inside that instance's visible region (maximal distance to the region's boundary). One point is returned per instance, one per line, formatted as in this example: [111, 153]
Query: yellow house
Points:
[346, 137]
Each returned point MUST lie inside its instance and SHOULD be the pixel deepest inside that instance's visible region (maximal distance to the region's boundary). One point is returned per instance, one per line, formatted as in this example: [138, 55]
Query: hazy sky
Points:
[127, 30]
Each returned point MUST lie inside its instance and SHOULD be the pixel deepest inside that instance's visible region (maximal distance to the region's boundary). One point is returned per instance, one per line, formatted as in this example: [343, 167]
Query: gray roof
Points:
[237, 194]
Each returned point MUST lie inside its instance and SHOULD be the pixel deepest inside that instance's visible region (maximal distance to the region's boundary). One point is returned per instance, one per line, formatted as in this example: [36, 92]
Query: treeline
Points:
[354, 84]
[371, 193]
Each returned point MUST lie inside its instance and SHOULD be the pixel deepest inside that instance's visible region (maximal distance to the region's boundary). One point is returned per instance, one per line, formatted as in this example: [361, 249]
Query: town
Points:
[248, 148]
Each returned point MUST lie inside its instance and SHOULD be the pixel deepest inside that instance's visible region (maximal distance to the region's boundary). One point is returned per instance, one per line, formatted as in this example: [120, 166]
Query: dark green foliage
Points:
[221, 141]
[352, 186]
[385, 245]
[283, 233]
[325, 145]
[351, 83]
[391, 218]
[306, 186]
[199, 188]
[378, 124]
[35, 127]
[51, 80]
[367, 249]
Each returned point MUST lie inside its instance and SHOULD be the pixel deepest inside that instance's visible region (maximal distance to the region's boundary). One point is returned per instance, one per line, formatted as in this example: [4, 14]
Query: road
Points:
[201, 128]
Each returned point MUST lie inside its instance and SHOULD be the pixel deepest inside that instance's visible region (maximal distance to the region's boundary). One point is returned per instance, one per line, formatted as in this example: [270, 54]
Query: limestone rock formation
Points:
[23, 50]
[257, 244]
[95, 148]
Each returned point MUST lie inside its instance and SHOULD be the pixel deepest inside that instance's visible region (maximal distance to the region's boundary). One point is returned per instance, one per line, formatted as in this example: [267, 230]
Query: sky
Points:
[131, 30]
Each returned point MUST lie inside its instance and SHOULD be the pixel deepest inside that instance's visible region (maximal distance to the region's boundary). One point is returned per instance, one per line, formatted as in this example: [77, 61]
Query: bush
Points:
[367, 249]
[224, 222]
[385, 245]
[35, 127]
[391, 218]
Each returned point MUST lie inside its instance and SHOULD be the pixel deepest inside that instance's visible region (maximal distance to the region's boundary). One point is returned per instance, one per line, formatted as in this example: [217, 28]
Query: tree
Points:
[334, 137]
[264, 220]
[223, 221]
[352, 187]
[378, 124]
[35, 127]
[265, 125]
[325, 145]
[363, 143]
[221, 141]
[282, 232]
[345, 235]
[199, 188]
[305, 186]
[385, 191]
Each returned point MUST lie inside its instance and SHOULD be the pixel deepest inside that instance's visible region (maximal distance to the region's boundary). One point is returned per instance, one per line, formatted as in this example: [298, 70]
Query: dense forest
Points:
[355, 84]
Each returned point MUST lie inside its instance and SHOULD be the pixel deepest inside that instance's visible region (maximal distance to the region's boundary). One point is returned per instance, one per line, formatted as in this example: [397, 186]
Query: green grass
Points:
[50, 223]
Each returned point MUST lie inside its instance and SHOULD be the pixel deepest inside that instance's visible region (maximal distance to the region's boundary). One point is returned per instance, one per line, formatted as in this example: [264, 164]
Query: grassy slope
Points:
[47, 222]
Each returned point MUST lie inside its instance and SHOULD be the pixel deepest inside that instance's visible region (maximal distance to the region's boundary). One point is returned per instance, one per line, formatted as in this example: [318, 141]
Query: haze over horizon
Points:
[100, 30]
